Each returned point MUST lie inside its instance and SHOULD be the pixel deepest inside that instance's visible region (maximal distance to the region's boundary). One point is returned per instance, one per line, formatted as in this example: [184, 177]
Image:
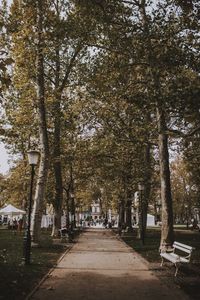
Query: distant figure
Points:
[10, 223]
[20, 225]
[105, 223]
[15, 224]
[194, 224]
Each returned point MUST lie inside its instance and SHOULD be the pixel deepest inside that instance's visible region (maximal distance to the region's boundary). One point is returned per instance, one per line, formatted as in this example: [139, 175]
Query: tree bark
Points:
[147, 185]
[44, 147]
[121, 214]
[128, 214]
[58, 201]
[167, 234]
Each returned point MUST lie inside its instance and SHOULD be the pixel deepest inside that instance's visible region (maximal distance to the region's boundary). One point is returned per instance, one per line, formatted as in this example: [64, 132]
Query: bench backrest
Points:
[183, 247]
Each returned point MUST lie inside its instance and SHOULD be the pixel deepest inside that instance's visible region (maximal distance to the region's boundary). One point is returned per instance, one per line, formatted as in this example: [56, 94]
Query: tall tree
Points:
[5, 60]
[44, 146]
[66, 46]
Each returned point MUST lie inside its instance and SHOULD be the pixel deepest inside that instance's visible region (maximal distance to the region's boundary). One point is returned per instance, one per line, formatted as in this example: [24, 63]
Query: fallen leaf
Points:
[50, 288]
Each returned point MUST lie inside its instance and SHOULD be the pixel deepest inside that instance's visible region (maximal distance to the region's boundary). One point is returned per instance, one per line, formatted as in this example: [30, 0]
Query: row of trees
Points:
[104, 89]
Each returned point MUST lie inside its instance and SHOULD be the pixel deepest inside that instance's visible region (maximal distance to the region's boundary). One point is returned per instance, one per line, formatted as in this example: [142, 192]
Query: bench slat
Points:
[182, 249]
[169, 256]
[174, 257]
[183, 245]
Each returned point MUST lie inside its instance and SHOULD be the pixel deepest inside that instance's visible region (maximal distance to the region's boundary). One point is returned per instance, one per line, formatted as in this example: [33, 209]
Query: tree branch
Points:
[103, 47]
[73, 58]
[182, 134]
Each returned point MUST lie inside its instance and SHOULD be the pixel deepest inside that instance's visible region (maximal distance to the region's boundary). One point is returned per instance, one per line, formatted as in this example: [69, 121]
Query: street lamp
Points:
[140, 187]
[141, 212]
[33, 156]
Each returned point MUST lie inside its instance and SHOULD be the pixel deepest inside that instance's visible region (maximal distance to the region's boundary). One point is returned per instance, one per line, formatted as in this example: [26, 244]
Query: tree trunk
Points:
[58, 201]
[128, 214]
[44, 148]
[73, 213]
[67, 203]
[67, 210]
[121, 214]
[167, 234]
[147, 185]
[140, 233]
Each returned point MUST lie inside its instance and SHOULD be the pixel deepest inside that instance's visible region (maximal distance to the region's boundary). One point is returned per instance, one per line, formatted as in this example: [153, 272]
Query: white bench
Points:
[177, 259]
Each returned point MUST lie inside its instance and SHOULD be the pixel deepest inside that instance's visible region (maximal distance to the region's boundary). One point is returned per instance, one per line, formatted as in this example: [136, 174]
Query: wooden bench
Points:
[64, 234]
[178, 258]
[124, 230]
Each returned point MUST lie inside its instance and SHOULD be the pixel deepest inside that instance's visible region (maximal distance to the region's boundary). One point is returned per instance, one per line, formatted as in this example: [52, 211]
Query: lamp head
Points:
[141, 187]
[33, 156]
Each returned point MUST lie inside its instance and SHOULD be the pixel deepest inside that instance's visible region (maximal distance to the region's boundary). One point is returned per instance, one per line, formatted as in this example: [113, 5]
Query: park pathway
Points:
[101, 267]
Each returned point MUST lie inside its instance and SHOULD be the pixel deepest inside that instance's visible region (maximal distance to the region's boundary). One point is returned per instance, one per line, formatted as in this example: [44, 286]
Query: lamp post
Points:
[186, 214]
[136, 207]
[141, 212]
[73, 212]
[158, 203]
[33, 157]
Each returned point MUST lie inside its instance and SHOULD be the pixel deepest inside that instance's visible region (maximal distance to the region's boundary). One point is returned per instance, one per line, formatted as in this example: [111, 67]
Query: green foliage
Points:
[15, 186]
[5, 59]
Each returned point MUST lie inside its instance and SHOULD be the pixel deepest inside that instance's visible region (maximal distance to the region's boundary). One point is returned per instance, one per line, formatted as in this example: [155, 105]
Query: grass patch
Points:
[16, 279]
[150, 250]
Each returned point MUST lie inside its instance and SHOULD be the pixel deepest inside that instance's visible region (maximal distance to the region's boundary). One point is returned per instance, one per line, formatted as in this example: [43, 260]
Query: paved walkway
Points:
[101, 267]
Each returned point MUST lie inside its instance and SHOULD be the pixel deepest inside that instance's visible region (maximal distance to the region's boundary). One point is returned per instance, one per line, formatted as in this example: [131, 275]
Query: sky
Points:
[4, 166]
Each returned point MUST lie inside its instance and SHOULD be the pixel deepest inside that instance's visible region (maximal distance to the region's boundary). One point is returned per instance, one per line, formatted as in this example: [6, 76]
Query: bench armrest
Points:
[167, 251]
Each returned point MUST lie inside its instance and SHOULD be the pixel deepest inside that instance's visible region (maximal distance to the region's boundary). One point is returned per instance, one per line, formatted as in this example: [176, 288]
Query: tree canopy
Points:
[108, 90]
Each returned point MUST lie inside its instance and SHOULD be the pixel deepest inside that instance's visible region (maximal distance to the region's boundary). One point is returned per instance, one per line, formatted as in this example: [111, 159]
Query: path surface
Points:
[101, 267]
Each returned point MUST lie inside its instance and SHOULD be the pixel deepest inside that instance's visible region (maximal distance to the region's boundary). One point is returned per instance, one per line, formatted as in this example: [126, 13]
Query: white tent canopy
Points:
[11, 210]
[46, 221]
[150, 220]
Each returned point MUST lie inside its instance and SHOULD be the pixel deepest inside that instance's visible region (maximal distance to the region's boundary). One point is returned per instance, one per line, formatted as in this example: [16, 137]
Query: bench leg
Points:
[176, 270]
[162, 261]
